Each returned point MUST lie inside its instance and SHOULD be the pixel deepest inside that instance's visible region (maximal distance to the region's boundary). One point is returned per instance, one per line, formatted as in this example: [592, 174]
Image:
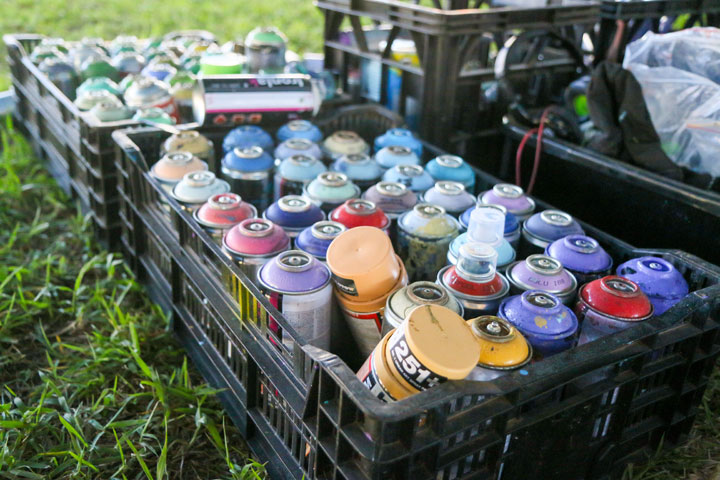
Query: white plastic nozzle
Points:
[477, 261]
[487, 225]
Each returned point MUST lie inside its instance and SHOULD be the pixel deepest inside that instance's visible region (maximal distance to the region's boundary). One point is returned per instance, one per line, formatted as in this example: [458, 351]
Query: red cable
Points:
[538, 150]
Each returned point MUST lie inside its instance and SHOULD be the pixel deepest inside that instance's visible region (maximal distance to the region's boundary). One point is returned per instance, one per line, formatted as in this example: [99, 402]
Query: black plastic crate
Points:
[83, 137]
[637, 13]
[581, 414]
[602, 190]
[455, 48]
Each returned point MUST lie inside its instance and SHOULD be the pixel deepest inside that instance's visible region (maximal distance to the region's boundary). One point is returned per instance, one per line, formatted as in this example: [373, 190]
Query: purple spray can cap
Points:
[294, 271]
[658, 279]
[511, 197]
[548, 324]
[547, 226]
[582, 255]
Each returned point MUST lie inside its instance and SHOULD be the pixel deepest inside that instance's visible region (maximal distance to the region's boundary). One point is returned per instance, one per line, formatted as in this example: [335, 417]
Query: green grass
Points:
[93, 384]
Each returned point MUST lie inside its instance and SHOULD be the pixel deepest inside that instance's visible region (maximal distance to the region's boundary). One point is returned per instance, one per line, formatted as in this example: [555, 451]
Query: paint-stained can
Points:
[433, 345]
[196, 188]
[608, 305]
[502, 348]
[298, 285]
[330, 190]
[550, 326]
[190, 141]
[424, 237]
[253, 242]
[222, 212]
[402, 301]
[294, 214]
[249, 170]
[317, 238]
[511, 197]
[375, 374]
[663, 284]
[540, 272]
[582, 256]
[294, 173]
[452, 168]
[392, 198]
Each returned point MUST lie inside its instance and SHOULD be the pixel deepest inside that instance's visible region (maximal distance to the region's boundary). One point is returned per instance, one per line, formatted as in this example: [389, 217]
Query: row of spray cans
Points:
[187, 76]
[384, 252]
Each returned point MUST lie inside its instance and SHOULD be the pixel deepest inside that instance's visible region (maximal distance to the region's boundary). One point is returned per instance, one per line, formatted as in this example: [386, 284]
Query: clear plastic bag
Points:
[678, 74]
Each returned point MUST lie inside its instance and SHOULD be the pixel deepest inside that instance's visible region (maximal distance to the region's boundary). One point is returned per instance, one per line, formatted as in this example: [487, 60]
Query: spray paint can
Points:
[128, 63]
[253, 242]
[153, 115]
[99, 83]
[659, 280]
[62, 74]
[298, 146]
[265, 50]
[402, 301]
[394, 155]
[196, 188]
[506, 254]
[44, 52]
[221, 63]
[424, 237]
[150, 93]
[298, 285]
[248, 170]
[375, 374]
[330, 189]
[582, 256]
[344, 142]
[432, 346]
[549, 325]
[474, 281]
[540, 272]
[502, 348]
[172, 167]
[222, 212]
[545, 227]
[511, 197]
[226, 100]
[365, 272]
[182, 85]
[608, 305]
[98, 67]
[317, 238]
[357, 213]
[294, 214]
[248, 136]
[400, 137]
[294, 173]
[511, 231]
[88, 100]
[190, 141]
[110, 112]
[412, 176]
[159, 71]
[452, 168]
[360, 168]
[299, 129]
[451, 196]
